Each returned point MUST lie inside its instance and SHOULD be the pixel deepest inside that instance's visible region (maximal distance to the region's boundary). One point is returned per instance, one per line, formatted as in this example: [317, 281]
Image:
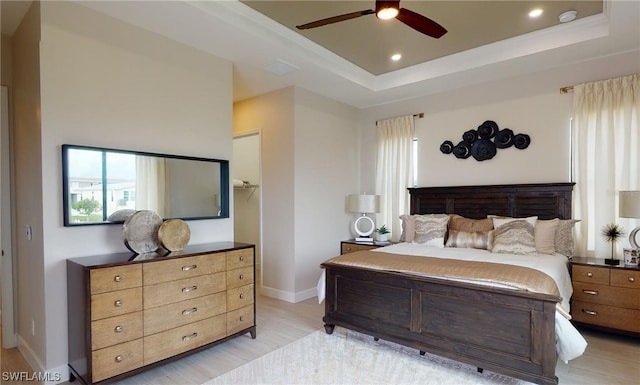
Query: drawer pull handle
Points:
[241, 295]
[590, 312]
[187, 338]
[241, 319]
[589, 274]
[187, 268]
[188, 289]
[118, 329]
[118, 303]
[189, 311]
[242, 258]
[590, 292]
[119, 358]
[117, 278]
[241, 276]
[632, 279]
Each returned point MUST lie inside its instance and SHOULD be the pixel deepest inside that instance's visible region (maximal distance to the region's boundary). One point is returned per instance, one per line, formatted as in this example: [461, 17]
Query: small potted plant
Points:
[610, 233]
[382, 233]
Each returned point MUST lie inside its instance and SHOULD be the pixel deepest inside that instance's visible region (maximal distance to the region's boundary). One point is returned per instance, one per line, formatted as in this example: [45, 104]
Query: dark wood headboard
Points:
[545, 200]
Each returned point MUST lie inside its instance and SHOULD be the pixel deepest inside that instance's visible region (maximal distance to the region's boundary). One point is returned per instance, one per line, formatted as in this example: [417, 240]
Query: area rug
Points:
[347, 357]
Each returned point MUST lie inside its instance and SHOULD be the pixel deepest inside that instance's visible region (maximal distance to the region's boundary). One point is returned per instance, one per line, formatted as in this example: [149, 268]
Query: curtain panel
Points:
[394, 171]
[606, 137]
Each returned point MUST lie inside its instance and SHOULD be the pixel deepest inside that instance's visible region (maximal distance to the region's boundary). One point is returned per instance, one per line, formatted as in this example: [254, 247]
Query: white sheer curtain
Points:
[394, 171]
[150, 184]
[607, 158]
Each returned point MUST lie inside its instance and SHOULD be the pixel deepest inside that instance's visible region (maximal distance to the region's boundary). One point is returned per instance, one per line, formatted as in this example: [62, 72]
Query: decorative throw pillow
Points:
[564, 237]
[430, 229]
[473, 240]
[408, 228]
[545, 235]
[514, 236]
[461, 223]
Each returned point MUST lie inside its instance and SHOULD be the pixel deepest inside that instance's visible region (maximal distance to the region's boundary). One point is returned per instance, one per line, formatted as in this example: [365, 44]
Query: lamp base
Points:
[364, 239]
[611, 261]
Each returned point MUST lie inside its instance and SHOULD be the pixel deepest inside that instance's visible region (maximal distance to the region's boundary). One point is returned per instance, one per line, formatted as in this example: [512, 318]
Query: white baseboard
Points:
[287, 295]
[48, 377]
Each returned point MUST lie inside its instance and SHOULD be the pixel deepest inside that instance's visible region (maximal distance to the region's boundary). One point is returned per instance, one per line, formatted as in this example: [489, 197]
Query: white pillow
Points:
[514, 235]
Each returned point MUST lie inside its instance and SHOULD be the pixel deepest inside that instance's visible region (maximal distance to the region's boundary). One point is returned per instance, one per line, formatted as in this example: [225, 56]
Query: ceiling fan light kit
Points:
[387, 10]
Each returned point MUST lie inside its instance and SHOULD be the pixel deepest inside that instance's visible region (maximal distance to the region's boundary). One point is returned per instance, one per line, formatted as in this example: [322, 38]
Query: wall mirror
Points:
[102, 186]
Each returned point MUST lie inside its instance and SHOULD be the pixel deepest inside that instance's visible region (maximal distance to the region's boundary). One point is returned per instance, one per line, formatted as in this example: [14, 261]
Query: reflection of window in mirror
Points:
[105, 186]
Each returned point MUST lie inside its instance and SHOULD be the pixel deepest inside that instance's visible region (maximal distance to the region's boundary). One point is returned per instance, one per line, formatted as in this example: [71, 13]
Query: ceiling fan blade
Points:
[421, 23]
[335, 19]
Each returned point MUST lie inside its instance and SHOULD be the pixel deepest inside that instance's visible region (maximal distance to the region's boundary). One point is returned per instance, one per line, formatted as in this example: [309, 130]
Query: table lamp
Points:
[630, 208]
[364, 204]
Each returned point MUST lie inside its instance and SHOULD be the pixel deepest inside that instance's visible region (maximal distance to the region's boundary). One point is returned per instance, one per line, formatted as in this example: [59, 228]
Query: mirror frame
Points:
[224, 182]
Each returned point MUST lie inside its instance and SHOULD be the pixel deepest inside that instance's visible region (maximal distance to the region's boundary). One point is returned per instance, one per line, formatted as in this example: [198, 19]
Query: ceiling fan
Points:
[387, 10]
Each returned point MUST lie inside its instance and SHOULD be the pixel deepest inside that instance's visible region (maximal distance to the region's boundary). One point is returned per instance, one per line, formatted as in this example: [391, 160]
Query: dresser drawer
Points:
[116, 330]
[608, 316]
[116, 303]
[239, 277]
[181, 313]
[240, 319]
[115, 278]
[239, 258]
[351, 247]
[239, 297]
[183, 289]
[606, 295]
[184, 338]
[625, 278]
[114, 360]
[179, 268]
[590, 274]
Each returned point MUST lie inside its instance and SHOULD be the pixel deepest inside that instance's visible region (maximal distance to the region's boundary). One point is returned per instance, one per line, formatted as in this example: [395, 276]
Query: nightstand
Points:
[605, 296]
[350, 246]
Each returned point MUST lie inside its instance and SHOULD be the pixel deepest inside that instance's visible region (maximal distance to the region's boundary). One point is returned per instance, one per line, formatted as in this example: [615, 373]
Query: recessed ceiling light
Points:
[535, 13]
[396, 57]
[568, 16]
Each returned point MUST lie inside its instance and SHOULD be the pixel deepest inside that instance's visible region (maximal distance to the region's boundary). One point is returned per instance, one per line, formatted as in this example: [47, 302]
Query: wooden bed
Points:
[505, 331]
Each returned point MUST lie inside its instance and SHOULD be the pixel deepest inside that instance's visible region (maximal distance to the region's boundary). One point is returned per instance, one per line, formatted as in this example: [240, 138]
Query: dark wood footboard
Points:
[505, 331]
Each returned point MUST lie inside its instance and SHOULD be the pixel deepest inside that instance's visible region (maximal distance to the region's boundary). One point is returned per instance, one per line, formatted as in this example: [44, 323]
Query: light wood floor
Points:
[609, 359]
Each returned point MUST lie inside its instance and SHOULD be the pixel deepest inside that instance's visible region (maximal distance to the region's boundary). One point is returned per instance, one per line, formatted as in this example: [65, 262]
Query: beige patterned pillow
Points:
[564, 237]
[431, 229]
[408, 228]
[473, 239]
[514, 236]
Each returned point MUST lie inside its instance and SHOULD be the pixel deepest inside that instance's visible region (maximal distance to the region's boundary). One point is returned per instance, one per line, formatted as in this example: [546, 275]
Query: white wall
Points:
[528, 104]
[107, 84]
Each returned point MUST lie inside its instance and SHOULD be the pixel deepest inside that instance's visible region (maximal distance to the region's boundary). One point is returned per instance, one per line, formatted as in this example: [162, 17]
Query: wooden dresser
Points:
[605, 296]
[127, 312]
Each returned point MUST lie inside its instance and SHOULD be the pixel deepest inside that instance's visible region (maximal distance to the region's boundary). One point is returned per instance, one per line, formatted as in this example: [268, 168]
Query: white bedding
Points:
[569, 343]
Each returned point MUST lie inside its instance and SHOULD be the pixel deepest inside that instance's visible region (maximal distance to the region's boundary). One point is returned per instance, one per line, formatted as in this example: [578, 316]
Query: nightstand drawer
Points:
[239, 297]
[351, 247]
[625, 278]
[606, 295]
[239, 258]
[239, 277]
[607, 316]
[590, 274]
[240, 319]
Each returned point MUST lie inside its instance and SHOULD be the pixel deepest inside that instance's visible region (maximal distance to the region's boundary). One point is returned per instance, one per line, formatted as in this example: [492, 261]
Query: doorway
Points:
[247, 197]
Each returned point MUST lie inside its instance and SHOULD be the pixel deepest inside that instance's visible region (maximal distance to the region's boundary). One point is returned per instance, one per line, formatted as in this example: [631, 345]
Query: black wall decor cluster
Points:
[484, 142]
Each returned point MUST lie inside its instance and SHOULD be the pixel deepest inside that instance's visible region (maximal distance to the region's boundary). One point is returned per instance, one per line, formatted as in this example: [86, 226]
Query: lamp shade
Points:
[364, 203]
[629, 204]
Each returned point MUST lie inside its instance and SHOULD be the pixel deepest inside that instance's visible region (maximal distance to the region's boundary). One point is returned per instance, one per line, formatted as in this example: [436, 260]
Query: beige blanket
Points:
[517, 277]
